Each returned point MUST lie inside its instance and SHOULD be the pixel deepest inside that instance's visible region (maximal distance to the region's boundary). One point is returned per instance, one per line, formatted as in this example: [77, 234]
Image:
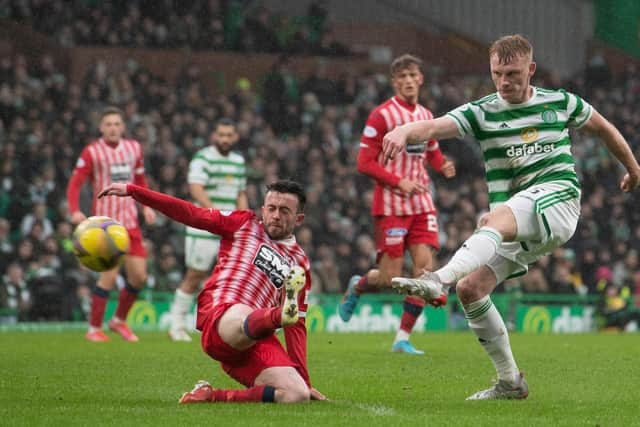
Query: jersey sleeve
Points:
[82, 170]
[296, 335]
[138, 171]
[465, 119]
[222, 223]
[434, 155]
[370, 148]
[579, 110]
[197, 169]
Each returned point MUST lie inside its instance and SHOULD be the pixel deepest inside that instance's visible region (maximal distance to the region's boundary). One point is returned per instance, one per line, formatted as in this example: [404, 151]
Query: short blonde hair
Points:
[507, 48]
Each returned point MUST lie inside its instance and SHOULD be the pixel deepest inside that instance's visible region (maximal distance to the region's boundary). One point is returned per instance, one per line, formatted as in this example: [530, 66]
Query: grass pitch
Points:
[57, 378]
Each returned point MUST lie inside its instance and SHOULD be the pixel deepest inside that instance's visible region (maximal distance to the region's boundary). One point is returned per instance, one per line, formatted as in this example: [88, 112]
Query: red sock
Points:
[127, 297]
[259, 393]
[363, 286]
[99, 299]
[411, 310]
[263, 322]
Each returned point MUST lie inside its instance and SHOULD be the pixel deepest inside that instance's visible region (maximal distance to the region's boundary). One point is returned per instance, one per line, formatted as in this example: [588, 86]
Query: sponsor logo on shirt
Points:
[272, 264]
[527, 150]
[416, 149]
[392, 232]
[120, 172]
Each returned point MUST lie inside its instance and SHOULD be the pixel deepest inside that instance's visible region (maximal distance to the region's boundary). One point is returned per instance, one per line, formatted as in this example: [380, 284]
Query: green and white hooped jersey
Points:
[223, 178]
[525, 144]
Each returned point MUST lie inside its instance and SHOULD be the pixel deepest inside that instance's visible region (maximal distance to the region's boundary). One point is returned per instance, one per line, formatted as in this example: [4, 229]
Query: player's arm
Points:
[393, 142]
[200, 195]
[197, 179]
[599, 126]
[187, 213]
[369, 152]
[80, 174]
[140, 180]
[242, 201]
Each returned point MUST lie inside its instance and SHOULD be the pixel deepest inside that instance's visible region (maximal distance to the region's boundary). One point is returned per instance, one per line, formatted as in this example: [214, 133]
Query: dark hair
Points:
[111, 110]
[225, 121]
[405, 61]
[290, 187]
[507, 48]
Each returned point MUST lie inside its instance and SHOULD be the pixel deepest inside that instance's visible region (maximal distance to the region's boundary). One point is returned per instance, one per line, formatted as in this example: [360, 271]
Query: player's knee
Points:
[466, 291]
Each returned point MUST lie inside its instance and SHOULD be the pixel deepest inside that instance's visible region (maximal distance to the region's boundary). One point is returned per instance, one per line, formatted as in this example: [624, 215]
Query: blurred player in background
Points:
[113, 158]
[217, 179]
[259, 285]
[534, 192]
[404, 212]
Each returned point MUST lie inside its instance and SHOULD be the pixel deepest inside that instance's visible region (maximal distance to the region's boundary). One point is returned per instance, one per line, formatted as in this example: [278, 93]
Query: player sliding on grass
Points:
[533, 192]
[258, 285]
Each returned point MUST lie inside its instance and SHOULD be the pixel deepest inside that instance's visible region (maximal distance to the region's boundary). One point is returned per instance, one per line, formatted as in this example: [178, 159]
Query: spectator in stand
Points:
[15, 297]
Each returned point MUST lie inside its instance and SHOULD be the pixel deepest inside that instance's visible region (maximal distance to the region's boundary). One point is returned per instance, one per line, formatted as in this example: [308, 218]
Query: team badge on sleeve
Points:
[370, 132]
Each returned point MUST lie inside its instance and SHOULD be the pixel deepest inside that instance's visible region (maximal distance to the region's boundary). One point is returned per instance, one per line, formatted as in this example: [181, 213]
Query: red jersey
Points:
[251, 267]
[410, 163]
[104, 163]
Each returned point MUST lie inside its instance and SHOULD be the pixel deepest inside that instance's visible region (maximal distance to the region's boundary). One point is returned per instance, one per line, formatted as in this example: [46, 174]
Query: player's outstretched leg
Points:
[411, 310]
[504, 390]
[293, 285]
[350, 299]
[203, 392]
[127, 297]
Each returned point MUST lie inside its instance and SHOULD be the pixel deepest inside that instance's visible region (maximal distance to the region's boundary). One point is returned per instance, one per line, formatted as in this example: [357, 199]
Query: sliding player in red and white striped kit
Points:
[259, 285]
[404, 212]
[113, 158]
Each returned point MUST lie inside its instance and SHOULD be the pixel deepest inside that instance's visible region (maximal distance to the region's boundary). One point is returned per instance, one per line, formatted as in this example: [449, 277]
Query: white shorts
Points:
[201, 252]
[546, 215]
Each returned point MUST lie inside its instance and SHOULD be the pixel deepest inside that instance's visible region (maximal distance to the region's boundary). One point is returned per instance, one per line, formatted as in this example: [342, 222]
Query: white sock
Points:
[401, 336]
[475, 252]
[93, 329]
[182, 302]
[487, 324]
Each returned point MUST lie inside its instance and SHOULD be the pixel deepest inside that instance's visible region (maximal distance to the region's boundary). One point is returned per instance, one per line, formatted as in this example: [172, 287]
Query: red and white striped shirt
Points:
[410, 164]
[104, 163]
[251, 267]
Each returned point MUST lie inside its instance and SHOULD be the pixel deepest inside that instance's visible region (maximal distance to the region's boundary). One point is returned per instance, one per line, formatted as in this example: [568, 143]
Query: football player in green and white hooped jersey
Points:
[534, 192]
[217, 179]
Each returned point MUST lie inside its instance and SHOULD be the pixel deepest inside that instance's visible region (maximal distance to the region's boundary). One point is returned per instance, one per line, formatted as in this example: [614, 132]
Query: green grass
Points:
[59, 379]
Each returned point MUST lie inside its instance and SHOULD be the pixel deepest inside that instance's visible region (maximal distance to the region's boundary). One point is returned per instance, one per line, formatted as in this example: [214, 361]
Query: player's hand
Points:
[316, 395]
[149, 215]
[114, 189]
[393, 143]
[77, 217]
[629, 182]
[448, 168]
[411, 187]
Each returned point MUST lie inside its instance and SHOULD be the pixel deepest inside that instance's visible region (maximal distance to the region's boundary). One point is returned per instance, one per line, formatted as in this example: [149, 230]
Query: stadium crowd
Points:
[305, 127]
[236, 25]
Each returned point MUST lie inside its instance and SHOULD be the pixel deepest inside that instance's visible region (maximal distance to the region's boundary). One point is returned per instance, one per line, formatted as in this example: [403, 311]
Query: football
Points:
[100, 243]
